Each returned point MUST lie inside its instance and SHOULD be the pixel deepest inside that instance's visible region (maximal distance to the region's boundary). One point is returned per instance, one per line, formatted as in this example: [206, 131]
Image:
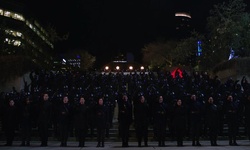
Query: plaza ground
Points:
[91, 145]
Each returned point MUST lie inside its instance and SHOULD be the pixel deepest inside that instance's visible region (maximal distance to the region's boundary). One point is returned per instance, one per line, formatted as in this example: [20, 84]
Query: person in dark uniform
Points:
[196, 113]
[247, 115]
[101, 122]
[109, 104]
[141, 120]
[64, 116]
[124, 119]
[81, 121]
[179, 121]
[26, 121]
[160, 120]
[10, 122]
[212, 121]
[231, 116]
[44, 119]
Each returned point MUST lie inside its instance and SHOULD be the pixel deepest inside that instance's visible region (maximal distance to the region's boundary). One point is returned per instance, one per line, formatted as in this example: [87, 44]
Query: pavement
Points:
[91, 145]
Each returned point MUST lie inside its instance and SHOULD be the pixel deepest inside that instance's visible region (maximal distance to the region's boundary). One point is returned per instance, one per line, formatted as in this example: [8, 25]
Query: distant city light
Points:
[199, 49]
[120, 61]
[142, 68]
[231, 56]
[182, 14]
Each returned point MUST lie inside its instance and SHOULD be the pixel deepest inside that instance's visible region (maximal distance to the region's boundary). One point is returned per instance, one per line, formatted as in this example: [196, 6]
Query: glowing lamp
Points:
[117, 68]
[107, 68]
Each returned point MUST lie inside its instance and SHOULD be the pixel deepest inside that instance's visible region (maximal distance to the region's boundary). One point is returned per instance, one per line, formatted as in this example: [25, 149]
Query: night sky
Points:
[107, 27]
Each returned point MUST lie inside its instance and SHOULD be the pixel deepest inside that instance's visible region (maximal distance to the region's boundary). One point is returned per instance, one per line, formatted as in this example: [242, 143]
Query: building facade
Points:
[23, 35]
[183, 25]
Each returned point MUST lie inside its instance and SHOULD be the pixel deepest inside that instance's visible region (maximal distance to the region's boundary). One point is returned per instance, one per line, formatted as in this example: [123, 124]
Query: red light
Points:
[175, 72]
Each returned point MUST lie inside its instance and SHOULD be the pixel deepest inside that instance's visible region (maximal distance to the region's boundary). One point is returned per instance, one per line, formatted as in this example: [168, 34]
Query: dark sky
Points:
[107, 27]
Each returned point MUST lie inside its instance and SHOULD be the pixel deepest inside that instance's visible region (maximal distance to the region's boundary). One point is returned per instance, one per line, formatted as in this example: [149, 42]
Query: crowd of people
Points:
[73, 103]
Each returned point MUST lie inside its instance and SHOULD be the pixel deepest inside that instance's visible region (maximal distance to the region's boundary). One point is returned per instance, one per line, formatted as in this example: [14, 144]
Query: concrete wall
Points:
[18, 83]
[233, 73]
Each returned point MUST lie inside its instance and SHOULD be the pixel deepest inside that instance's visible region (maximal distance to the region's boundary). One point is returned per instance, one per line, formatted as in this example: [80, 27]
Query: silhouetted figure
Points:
[124, 119]
[44, 119]
[26, 121]
[232, 119]
[212, 120]
[141, 114]
[64, 117]
[101, 122]
[81, 121]
[10, 122]
[160, 120]
[179, 121]
[247, 115]
[195, 112]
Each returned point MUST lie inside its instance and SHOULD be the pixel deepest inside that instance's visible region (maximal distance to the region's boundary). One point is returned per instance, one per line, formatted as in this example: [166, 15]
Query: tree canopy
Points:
[227, 29]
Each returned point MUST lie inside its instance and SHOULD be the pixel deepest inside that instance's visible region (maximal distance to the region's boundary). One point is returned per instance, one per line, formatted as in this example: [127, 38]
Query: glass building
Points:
[23, 35]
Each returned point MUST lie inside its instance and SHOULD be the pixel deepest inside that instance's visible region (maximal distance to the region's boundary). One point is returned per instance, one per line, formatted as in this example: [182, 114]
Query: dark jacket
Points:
[101, 119]
[81, 116]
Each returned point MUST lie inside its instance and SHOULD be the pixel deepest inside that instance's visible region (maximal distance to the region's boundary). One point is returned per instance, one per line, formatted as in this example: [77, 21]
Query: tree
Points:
[86, 59]
[159, 54]
[54, 36]
[229, 28]
[186, 50]
[168, 53]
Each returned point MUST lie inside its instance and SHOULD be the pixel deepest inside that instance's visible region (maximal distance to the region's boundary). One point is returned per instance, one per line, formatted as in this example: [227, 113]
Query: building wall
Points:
[17, 82]
[235, 69]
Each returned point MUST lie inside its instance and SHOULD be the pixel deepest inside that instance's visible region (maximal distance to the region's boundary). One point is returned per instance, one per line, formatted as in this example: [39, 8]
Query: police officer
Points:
[196, 114]
[124, 119]
[231, 116]
[26, 121]
[101, 122]
[212, 120]
[10, 122]
[141, 114]
[179, 121]
[81, 121]
[247, 115]
[64, 116]
[160, 120]
[44, 118]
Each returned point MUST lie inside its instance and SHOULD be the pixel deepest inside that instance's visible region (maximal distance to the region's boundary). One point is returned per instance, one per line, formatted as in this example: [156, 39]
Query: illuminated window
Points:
[6, 40]
[18, 17]
[7, 14]
[19, 34]
[17, 43]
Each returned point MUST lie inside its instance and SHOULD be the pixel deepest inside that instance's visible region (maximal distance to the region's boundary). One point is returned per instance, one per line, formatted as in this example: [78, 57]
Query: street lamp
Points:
[117, 68]
[130, 67]
[106, 67]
